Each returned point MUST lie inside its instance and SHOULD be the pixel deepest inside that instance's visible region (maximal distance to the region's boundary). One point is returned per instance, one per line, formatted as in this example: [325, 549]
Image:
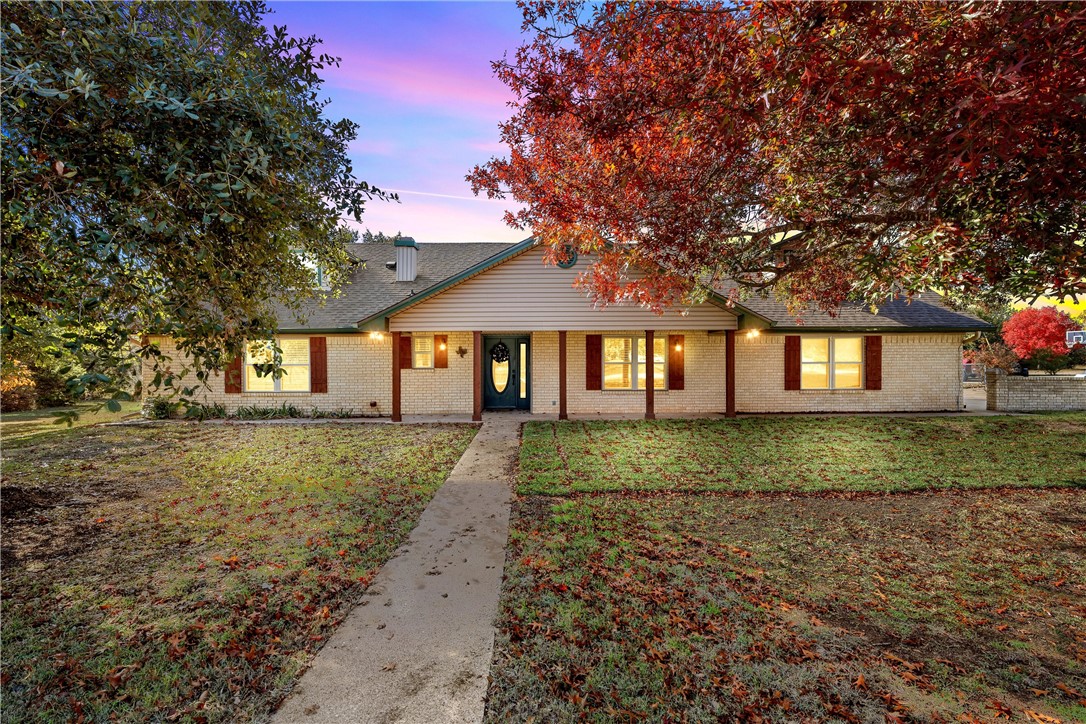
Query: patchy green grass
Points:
[190, 572]
[674, 607]
[18, 425]
[797, 569]
[804, 454]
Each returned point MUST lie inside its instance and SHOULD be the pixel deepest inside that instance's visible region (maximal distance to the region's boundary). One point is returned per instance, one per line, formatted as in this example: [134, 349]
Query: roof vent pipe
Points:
[407, 252]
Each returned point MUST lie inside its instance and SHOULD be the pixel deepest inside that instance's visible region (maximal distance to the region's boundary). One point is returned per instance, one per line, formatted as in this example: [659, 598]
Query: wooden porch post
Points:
[729, 373]
[396, 377]
[562, 376]
[650, 377]
[477, 377]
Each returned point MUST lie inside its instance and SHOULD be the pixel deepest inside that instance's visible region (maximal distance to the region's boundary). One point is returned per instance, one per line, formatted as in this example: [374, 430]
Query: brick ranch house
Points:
[462, 328]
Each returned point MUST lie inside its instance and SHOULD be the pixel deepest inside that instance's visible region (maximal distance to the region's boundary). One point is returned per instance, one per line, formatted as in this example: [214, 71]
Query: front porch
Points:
[564, 373]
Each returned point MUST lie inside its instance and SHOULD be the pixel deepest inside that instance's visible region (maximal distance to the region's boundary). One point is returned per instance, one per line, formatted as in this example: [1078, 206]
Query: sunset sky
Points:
[416, 77]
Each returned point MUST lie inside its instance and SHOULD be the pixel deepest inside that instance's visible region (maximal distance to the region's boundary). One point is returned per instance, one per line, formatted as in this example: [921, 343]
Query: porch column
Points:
[396, 377]
[477, 377]
[650, 377]
[562, 376]
[729, 373]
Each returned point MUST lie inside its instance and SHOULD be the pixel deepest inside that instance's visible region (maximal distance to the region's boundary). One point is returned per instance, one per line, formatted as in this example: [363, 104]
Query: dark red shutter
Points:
[873, 362]
[405, 352]
[593, 362]
[318, 364]
[791, 362]
[233, 376]
[441, 351]
[676, 372]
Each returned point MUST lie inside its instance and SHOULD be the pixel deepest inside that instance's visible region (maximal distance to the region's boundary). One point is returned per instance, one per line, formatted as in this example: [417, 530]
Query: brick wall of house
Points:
[920, 373]
[1007, 393]
[358, 374]
[703, 367]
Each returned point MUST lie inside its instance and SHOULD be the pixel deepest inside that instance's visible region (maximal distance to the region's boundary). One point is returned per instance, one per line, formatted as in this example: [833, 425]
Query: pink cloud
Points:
[468, 90]
[430, 219]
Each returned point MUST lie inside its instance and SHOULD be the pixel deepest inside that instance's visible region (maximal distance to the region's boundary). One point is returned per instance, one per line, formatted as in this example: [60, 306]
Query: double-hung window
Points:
[422, 351]
[625, 363]
[293, 359]
[831, 363]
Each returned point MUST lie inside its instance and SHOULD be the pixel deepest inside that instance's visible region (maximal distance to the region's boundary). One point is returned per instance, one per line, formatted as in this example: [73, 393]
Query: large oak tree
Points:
[831, 151]
[162, 165]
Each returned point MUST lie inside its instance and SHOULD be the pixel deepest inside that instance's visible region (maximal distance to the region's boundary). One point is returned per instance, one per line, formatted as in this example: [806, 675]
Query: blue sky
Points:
[416, 77]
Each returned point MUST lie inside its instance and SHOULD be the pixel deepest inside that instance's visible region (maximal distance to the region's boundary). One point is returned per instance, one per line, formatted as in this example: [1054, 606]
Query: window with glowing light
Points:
[625, 363]
[831, 363]
[293, 359]
[423, 348]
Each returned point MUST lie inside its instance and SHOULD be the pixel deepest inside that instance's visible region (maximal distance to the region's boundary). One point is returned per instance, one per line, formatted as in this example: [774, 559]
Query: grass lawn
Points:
[190, 572]
[799, 601]
[797, 454]
[17, 425]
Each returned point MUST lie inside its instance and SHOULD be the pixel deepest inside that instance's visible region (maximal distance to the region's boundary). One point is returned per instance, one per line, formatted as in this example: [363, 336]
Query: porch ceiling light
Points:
[753, 333]
[376, 336]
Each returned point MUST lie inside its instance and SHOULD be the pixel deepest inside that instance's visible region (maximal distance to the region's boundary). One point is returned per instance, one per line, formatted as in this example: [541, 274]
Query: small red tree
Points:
[1034, 329]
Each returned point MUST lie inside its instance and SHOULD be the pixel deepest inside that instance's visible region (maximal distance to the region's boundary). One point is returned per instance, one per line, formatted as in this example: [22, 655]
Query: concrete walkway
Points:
[418, 647]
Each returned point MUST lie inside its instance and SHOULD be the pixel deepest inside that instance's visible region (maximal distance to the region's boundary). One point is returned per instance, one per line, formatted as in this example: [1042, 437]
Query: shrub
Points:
[160, 408]
[997, 356]
[1032, 329]
[1048, 361]
[254, 412]
[339, 413]
[216, 411]
[17, 389]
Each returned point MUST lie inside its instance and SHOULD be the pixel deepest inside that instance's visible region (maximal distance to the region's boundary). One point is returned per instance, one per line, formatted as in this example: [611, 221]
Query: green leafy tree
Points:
[163, 165]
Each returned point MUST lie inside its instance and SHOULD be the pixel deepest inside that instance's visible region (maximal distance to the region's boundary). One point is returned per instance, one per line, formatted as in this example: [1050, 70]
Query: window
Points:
[319, 279]
[624, 363]
[422, 347]
[831, 363]
[293, 359]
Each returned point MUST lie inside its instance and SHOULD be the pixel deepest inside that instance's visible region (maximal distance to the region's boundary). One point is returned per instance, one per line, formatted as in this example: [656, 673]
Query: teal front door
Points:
[506, 378]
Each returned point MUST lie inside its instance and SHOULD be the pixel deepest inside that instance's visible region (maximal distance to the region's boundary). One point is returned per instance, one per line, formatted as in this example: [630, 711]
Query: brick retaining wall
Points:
[1008, 393]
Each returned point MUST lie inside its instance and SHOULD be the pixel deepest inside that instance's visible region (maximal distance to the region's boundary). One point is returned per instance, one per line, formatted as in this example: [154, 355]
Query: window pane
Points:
[616, 349]
[848, 349]
[815, 376]
[258, 384]
[659, 349]
[616, 377]
[295, 351]
[259, 353]
[661, 383]
[523, 371]
[846, 376]
[815, 349]
[423, 359]
[424, 343]
[295, 379]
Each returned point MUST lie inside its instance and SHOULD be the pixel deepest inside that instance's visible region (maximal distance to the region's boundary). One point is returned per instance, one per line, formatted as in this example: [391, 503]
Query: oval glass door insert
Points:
[499, 367]
[499, 372]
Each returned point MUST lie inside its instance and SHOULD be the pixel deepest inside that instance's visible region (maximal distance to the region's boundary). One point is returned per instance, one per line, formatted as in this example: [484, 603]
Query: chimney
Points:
[407, 253]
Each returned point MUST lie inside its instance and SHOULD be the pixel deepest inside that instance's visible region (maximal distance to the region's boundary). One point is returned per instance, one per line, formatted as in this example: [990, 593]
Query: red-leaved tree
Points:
[831, 150]
[1038, 328]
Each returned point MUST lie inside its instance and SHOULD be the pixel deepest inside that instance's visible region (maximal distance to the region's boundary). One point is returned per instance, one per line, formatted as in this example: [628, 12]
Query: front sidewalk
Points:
[418, 647]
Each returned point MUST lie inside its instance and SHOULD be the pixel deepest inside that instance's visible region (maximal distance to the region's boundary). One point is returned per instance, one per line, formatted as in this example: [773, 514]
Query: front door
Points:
[506, 378]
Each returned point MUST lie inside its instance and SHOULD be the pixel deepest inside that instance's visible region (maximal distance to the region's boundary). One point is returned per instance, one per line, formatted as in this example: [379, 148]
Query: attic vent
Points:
[390, 265]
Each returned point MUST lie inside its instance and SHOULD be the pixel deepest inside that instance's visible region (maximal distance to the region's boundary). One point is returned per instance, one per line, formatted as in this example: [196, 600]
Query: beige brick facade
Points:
[920, 373]
[1037, 393]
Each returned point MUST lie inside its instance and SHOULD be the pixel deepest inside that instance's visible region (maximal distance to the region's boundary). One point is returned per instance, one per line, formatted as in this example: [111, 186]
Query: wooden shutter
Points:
[318, 364]
[676, 372]
[405, 351]
[441, 351]
[873, 362]
[791, 362]
[233, 376]
[593, 362]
